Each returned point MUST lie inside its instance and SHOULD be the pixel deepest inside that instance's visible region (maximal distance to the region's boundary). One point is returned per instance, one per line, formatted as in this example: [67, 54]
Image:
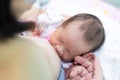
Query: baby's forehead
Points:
[75, 29]
[74, 34]
[78, 26]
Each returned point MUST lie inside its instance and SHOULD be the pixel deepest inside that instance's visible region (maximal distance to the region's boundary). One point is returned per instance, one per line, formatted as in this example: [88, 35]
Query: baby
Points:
[76, 36]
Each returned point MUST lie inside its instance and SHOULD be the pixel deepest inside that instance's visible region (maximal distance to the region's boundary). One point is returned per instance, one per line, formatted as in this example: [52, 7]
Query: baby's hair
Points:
[92, 27]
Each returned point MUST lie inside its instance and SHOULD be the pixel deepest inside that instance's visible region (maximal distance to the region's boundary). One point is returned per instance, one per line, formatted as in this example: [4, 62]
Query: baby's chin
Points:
[67, 60]
[64, 59]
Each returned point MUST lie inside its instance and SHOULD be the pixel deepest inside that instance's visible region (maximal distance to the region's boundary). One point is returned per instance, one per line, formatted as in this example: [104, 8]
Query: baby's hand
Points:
[86, 61]
[37, 32]
[77, 72]
[83, 67]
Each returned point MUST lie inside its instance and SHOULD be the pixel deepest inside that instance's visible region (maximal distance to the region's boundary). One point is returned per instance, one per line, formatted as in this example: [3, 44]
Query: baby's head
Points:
[78, 35]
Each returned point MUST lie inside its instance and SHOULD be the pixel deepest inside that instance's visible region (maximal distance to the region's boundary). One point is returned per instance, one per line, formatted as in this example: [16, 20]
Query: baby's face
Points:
[68, 42]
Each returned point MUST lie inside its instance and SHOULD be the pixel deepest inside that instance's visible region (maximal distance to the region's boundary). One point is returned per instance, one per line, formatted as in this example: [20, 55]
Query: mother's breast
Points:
[28, 59]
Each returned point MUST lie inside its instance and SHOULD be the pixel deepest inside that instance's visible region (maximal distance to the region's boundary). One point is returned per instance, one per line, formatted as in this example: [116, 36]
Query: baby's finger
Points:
[85, 63]
[89, 56]
[78, 70]
[75, 78]
[87, 77]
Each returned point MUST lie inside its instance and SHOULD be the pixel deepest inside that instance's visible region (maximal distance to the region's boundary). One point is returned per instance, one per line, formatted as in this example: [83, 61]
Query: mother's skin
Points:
[26, 59]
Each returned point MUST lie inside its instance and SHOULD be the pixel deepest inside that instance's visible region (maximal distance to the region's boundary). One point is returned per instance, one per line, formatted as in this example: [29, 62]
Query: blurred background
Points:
[110, 8]
[116, 3]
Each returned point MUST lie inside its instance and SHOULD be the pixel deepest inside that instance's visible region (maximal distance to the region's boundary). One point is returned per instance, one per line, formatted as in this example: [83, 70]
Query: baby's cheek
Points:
[67, 57]
[52, 41]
